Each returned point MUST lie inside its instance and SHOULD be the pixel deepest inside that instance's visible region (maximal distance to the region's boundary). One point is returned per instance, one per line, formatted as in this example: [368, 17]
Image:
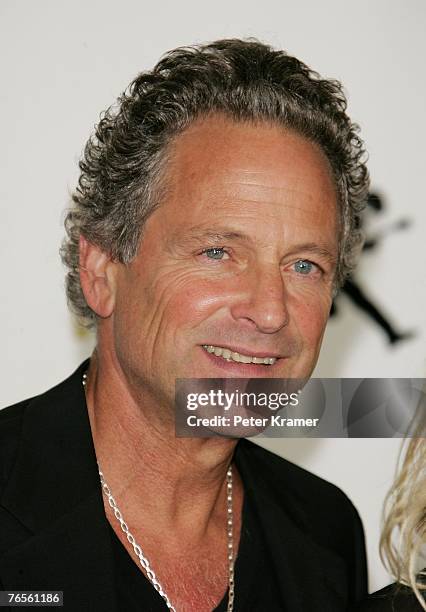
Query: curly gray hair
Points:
[124, 162]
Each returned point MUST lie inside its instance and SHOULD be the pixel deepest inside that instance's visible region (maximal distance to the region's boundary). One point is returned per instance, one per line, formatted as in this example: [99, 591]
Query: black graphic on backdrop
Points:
[354, 291]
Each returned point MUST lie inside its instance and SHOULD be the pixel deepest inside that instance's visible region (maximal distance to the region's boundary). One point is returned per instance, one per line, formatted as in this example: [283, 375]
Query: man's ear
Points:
[97, 278]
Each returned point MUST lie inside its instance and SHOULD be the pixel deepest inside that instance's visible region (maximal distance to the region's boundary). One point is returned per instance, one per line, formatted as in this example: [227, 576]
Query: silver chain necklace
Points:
[139, 552]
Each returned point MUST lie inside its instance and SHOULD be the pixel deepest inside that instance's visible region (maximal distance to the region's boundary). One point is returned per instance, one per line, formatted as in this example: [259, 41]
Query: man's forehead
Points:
[218, 153]
[265, 187]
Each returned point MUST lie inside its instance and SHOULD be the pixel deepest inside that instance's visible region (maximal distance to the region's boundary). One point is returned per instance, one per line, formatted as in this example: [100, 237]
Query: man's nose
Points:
[262, 299]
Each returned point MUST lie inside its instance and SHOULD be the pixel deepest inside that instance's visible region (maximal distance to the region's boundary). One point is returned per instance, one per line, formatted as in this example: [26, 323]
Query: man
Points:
[216, 213]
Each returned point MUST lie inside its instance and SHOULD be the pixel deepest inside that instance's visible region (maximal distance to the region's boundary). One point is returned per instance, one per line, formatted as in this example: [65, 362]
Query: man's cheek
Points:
[314, 299]
[192, 293]
[310, 319]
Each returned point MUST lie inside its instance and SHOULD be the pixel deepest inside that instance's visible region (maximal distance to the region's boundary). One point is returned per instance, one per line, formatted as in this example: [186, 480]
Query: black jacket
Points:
[54, 533]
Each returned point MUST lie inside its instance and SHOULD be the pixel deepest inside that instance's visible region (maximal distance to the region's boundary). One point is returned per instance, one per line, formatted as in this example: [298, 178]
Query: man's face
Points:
[240, 256]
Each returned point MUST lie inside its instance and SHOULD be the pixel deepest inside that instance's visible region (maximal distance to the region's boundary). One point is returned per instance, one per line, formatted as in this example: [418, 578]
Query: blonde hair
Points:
[403, 539]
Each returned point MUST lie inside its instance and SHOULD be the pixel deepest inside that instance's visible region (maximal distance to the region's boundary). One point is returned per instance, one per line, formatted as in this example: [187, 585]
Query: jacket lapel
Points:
[55, 507]
[308, 576]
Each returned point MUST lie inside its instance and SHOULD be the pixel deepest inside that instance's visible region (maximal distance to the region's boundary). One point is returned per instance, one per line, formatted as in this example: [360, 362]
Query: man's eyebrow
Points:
[217, 234]
[316, 249]
[221, 235]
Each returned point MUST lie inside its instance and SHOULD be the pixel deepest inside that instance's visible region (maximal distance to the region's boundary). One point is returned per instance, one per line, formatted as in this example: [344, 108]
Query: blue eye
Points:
[215, 252]
[303, 266]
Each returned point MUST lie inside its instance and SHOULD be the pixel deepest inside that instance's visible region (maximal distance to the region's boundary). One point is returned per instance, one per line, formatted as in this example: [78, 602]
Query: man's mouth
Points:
[229, 355]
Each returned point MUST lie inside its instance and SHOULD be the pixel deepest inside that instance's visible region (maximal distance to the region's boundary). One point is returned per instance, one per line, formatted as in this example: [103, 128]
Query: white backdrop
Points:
[62, 62]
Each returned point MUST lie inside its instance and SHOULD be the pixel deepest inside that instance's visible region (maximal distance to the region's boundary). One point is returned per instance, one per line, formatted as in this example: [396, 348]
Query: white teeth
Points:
[238, 357]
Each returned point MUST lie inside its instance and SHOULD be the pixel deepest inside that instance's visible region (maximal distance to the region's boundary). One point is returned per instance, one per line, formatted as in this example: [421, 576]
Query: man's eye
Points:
[216, 253]
[303, 266]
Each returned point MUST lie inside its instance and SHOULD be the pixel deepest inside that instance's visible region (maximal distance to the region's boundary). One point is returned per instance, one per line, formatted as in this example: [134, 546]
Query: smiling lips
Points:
[229, 355]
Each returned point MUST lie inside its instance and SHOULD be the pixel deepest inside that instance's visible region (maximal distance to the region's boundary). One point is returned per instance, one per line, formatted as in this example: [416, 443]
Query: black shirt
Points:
[254, 575]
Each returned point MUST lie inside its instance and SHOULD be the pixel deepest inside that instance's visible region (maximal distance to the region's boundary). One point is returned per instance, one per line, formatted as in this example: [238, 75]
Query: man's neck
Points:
[176, 484]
